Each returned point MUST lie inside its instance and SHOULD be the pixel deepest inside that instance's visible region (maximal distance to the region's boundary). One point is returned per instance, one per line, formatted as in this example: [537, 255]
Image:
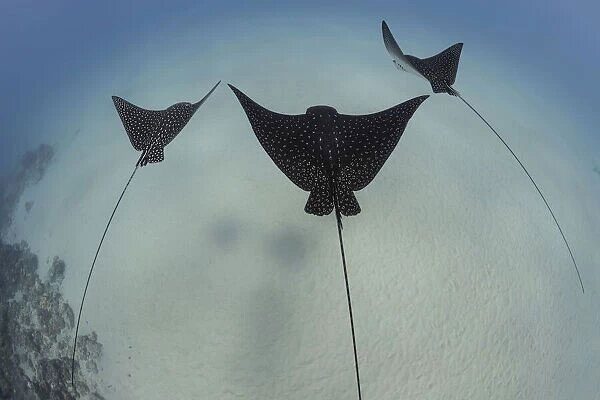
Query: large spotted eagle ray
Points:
[149, 131]
[440, 70]
[330, 155]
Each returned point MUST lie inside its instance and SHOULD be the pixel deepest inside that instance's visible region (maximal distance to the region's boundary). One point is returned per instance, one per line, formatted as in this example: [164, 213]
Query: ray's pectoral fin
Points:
[139, 123]
[444, 67]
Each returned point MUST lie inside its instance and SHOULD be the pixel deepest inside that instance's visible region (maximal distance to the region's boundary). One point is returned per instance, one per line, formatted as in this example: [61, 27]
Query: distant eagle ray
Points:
[440, 70]
[149, 132]
[330, 155]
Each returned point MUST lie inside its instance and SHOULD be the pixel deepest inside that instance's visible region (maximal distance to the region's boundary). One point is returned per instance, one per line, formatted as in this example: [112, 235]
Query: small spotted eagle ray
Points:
[149, 131]
[440, 70]
[330, 155]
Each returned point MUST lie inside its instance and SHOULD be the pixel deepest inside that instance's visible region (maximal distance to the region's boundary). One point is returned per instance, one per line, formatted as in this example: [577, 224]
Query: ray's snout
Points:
[321, 110]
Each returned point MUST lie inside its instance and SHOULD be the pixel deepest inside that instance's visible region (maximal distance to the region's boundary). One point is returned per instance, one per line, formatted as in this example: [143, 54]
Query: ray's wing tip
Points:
[411, 106]
[389, 42]
[238, 93]
[214, 87]
[385, 30]
[118, 102]
[210, 92]
[419, 100]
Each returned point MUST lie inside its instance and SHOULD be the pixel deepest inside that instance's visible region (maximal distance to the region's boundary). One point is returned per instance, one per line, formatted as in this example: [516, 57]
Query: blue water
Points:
[214, 282]
[47, 44]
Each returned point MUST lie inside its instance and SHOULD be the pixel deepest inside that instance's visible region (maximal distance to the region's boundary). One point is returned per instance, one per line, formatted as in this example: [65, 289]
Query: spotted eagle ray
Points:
[440, 70]
[330, 155]
[149, 131]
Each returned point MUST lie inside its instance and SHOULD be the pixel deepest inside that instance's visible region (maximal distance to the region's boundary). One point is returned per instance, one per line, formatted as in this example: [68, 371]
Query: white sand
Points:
[225, 289]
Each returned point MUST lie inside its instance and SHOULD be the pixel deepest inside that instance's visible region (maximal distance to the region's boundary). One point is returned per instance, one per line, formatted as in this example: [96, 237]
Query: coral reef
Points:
[35, 332]
[36, 323]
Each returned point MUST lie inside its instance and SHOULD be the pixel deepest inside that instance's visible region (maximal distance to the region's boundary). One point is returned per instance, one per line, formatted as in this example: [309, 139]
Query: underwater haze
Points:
[213, 283]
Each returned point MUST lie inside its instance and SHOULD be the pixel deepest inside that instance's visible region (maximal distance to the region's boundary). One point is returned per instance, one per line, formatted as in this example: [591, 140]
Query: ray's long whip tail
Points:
[137, 165]
[457, 94]
[338, 217]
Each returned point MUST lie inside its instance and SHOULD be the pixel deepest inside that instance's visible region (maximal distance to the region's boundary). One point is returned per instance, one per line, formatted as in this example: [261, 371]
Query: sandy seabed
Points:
[213, 283]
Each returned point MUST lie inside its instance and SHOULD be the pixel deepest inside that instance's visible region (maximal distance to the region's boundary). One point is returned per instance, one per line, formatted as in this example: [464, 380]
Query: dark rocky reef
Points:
[36, 323]
[29, 171]
[36, 327]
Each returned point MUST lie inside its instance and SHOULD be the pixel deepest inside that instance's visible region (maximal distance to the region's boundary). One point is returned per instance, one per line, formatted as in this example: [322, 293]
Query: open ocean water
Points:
[213, 282]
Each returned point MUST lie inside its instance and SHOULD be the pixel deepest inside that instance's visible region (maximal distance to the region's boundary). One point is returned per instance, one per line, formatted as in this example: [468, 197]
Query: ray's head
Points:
[184, 110]
[321, 111]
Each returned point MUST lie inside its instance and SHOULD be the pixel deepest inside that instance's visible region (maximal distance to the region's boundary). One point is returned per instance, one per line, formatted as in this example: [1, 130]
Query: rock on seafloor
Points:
[35, 333]
[36, 323]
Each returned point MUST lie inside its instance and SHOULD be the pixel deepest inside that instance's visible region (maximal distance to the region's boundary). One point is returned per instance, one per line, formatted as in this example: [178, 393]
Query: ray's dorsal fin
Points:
[149, 132]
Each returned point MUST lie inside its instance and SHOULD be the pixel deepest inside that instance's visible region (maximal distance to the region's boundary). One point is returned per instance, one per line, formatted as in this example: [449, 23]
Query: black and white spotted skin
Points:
[440, 70]
[151, 130]
[328, 154]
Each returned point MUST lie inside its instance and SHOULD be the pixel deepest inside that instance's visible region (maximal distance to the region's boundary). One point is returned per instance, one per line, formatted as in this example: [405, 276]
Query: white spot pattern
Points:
[139, 123]
[322, 151]
[368, 140]
[152, 130]
[440, 70]
[156, 154]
